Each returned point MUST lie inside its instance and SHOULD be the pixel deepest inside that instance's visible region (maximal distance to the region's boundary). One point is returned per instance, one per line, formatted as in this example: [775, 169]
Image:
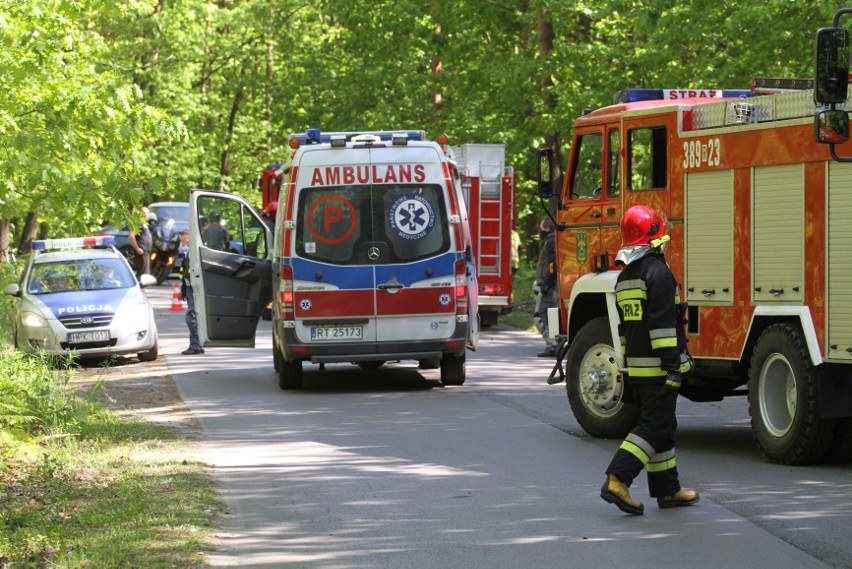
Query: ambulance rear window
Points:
[378, 224]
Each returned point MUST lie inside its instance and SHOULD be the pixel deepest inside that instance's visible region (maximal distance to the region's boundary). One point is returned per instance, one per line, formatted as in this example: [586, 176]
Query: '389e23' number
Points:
[698, 153]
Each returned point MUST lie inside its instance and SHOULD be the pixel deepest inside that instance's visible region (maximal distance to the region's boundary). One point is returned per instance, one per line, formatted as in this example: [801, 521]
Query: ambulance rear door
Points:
[415, 261]
[230, 267]
[333, 280]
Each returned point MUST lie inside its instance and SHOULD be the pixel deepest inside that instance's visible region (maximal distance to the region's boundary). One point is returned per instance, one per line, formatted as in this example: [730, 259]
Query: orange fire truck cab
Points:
[761, 225]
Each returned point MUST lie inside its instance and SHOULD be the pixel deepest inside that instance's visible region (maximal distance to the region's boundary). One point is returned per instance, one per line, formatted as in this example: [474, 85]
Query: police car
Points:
[79, 296]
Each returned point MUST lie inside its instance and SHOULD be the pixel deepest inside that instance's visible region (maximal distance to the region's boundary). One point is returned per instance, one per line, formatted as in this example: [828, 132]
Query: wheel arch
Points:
[593, 296]
[765, 316]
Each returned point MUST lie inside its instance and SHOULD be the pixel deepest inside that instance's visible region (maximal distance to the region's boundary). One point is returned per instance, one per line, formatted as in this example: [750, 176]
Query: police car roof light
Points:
[634, 95]
[73, 242]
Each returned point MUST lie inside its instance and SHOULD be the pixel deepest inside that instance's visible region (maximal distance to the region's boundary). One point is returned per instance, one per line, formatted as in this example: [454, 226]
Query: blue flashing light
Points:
[634, 95]
[314, 136]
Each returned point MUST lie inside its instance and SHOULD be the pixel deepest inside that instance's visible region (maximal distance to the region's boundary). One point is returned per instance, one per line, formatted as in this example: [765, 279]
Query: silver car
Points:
[79, 296]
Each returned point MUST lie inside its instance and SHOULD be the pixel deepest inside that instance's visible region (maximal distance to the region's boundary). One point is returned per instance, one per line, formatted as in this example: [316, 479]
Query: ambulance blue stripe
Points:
[361, 276]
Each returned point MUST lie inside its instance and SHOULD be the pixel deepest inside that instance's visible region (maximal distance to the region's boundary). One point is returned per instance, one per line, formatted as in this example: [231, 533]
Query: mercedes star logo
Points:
[373, 253]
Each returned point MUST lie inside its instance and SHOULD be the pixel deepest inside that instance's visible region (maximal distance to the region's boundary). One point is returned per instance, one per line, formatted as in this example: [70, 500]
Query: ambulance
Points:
[369, 262]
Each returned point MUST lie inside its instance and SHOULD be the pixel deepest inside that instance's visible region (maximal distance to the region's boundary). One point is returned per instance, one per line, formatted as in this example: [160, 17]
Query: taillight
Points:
[285, 290]
[491, 289]
[461, 287]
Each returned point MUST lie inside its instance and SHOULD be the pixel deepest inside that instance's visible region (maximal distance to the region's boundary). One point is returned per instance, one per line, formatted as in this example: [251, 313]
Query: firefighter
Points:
[269, 213]
[547, 295]
[654, 344]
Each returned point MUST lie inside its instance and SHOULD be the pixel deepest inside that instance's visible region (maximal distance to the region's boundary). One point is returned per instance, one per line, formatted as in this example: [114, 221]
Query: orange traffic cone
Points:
[177, 305]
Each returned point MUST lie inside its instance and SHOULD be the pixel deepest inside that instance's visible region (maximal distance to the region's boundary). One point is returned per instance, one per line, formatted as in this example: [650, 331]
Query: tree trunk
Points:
[545, 47]
[229, 135]
[28, 234]
[5, 254]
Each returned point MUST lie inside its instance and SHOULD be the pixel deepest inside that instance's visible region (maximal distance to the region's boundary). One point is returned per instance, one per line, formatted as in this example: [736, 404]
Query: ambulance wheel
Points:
[370, 366]
[277, 358]
[452, 369]
[150, 355]
[596, 387]
[290, 374]
[782, 399]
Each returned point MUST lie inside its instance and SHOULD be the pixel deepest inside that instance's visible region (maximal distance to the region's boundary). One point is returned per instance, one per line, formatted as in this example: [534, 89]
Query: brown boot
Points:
[682, 497]
[616, 492]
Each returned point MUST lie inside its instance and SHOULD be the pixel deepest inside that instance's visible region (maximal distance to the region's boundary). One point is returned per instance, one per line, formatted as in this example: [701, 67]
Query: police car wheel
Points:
[290, 374]
[150, 355]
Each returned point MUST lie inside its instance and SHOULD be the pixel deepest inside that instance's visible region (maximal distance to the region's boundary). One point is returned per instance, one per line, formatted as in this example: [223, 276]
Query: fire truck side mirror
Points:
[831, 126]
[832, 65]
[545, 172]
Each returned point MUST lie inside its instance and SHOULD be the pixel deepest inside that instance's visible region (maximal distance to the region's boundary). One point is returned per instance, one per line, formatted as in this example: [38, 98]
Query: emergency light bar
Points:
[73, 242]
[314, 136]
[634, 95]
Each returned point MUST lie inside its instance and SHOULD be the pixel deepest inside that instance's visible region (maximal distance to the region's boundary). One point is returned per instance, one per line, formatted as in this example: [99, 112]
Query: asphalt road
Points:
[389, 469]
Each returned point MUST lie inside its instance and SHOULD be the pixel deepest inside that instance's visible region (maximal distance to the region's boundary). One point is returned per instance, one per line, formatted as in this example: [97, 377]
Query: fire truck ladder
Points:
[490, 201]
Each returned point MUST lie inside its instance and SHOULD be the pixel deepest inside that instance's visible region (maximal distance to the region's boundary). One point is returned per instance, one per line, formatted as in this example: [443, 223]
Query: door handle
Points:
[391, 286]
[244, 268]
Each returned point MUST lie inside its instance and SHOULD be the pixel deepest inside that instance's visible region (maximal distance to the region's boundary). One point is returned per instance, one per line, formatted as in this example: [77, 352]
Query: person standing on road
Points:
[187, 294]
[651, 330]
[547, 295]
[214, 235]
[142, 242]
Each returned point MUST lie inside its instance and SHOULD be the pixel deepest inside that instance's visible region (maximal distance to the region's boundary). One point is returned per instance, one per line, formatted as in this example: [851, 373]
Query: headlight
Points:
[33, 320]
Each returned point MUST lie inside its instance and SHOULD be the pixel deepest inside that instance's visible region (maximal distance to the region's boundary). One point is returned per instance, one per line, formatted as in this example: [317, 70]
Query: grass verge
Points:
[85, 488]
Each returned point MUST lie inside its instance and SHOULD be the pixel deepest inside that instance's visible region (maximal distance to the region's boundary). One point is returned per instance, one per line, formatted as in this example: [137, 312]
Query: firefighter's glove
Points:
[673, 380]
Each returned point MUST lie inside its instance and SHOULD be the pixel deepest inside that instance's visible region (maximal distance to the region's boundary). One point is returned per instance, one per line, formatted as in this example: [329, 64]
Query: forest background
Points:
[107, 105]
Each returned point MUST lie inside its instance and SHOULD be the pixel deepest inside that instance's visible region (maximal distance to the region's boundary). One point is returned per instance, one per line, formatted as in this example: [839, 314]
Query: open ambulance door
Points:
[230, 267]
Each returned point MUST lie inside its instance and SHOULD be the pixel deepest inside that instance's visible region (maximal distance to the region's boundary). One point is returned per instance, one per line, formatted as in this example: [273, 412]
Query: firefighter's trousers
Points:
[650, 444]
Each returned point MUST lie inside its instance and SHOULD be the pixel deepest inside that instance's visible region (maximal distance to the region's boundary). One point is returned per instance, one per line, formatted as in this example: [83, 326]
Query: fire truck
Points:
[488, 186]
[760, 218]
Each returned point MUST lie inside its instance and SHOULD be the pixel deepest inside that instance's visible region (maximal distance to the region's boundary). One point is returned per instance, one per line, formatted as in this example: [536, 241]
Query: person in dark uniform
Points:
[547, 293]
[654, 344]
[188, 295]
[142, 241]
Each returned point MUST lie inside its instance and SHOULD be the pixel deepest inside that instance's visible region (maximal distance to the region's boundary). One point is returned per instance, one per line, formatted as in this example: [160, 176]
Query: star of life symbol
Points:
[444, 299]
[412, 216]
[305, 304]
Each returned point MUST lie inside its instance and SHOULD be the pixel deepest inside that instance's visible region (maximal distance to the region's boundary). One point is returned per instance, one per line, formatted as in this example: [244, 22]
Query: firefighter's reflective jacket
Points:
[651, 327]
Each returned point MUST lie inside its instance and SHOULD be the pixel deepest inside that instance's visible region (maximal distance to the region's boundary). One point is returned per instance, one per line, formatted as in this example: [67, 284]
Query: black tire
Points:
[841, 447]
[290, 374]
[277, 358]
[150, 355]
[266, 314]
[161, 272]
[452, 369]
[429, 364]
[489, 318]
[369, 366]
[782, 399]
[595, 385]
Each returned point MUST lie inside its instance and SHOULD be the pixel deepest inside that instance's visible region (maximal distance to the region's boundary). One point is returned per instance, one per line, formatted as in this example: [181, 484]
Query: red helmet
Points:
[641, 225]
[271, 209]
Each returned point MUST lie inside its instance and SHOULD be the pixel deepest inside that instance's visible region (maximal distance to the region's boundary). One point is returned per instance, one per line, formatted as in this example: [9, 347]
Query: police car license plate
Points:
[85, 337]
[321, 333]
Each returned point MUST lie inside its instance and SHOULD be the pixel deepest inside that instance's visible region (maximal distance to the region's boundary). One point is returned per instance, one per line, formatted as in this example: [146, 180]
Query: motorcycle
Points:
[164, 249]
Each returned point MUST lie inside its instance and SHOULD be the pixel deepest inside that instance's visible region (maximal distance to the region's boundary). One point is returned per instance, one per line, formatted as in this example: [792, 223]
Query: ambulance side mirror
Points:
[545, 172]
[832, 65]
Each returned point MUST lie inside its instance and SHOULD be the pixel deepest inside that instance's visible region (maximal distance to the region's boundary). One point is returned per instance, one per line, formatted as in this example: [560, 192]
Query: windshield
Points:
[80, 274]
[398, 222]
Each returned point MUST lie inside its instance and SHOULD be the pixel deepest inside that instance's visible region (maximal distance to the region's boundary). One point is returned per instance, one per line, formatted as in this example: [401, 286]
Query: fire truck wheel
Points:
[452, 369]
[782, 397]
[490, 318]
[290, 374]
[595, 385]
